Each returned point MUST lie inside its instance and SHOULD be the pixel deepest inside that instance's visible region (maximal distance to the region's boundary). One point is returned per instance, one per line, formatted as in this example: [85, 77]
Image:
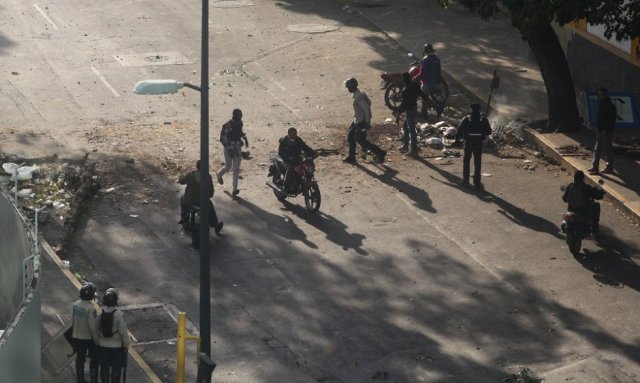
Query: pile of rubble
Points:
[36, 186]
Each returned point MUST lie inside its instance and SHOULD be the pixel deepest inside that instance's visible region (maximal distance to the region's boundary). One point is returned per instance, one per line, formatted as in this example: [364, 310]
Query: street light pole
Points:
[205, 288]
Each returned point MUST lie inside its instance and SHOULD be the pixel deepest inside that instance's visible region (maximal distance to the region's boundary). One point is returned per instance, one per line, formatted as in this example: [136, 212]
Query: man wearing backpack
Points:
[361, 124]
[84, 333]
[113, 338]
[580, 198]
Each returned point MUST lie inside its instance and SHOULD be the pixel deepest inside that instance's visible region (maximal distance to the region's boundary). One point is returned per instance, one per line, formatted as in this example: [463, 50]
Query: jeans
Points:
[473, 147]
[604, 145]
[231, 161]
[111, 363]
[358, 133]
[409, 128]
[84, 346]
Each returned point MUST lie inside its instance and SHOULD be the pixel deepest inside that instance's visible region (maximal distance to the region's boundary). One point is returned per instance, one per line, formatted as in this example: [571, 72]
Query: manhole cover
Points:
[157, 58]
[311, 28]
[153, 58]
[232, 3]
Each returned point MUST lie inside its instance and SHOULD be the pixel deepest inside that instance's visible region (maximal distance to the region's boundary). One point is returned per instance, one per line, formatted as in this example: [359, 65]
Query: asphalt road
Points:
[402, 275]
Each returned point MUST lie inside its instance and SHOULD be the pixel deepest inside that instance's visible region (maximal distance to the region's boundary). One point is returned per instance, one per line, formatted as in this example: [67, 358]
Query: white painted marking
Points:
[104, 81]
[157, 341]
[46, 17]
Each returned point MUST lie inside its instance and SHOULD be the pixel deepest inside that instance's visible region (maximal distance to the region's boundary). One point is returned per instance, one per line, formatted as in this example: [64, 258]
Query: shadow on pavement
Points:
[613, 264]
[280, 225]
[514, 213]
[419, 196]
[335, 230]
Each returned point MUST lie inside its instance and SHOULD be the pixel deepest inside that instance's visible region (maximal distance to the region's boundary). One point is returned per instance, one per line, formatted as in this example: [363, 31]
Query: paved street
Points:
[402, 276]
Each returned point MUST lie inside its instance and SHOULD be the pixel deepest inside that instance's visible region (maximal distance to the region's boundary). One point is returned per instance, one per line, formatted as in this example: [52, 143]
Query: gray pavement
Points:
[59, 292]
[470, 50]
[401, 275]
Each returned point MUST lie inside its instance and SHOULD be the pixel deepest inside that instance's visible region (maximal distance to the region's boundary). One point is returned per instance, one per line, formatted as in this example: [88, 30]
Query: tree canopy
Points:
[621, 18]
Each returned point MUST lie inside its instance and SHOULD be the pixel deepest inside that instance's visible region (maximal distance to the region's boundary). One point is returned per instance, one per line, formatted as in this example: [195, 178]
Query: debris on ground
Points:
[523, 376]
[60, 187]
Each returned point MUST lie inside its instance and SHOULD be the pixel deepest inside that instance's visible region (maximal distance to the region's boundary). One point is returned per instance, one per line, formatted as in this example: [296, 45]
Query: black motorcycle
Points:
[300, 181]
[578, 227]
[191, 224]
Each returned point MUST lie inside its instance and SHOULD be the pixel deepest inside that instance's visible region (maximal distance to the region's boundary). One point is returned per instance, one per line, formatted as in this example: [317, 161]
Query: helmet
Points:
[87, 291]
[110, 297]
[351, 82]
[428, 48]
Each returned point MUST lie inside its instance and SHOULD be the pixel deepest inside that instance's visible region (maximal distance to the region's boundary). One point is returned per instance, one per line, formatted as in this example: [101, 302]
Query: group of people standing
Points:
[104, 337]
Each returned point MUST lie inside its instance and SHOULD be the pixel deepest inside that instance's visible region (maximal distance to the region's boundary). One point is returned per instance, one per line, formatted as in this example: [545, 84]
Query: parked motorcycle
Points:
[392, 83]
[578, 227]
[191, 224]
[302, 181]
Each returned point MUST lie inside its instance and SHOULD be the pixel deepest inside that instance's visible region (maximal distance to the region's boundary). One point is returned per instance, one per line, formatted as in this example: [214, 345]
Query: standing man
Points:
[191, 197]
[430, 73]
[84, 333]
[408, 106]
[607, 116]
[113, 338]
[474, 128]
[361, 123]
[231, 137]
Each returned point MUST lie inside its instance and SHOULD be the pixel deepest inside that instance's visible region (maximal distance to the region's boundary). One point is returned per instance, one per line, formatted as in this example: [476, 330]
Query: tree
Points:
[533, 19]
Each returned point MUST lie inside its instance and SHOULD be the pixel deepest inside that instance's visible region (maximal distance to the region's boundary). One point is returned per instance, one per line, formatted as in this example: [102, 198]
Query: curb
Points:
[72, 278]
[630, 209]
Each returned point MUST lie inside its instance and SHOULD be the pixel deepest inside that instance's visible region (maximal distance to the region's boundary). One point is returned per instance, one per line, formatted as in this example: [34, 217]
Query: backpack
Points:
[106, 323]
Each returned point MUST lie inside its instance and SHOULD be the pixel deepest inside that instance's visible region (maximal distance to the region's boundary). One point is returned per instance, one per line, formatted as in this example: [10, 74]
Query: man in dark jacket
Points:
[408, 106]
[474, 128]
[231, 137]
[292, 146]
[191, 196]
[290, 149]
[607, 116]
[580, 198]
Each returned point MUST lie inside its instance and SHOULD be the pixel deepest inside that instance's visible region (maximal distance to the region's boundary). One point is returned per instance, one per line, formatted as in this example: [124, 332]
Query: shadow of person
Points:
[280, 225]
[514, 213]
[613, 264]
[334, 229]
[419, 196]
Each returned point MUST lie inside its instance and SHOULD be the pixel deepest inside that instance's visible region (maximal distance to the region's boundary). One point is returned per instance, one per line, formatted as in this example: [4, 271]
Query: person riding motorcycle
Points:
[580, 198]
[191, 197]
[290, 150]
[430, 73]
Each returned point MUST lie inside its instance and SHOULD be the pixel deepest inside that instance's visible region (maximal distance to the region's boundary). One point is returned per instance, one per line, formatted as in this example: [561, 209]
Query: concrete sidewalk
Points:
[59, 291]
[470, 50]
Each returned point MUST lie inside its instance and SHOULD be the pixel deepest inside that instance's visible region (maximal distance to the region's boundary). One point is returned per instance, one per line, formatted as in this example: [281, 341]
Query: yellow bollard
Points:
[181, 346]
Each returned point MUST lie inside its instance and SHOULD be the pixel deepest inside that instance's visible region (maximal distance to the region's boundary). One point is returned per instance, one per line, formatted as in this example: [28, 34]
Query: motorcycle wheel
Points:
[574, 242]
[393, 96]
[441, 92]
[195, 232]
[312, 197]
[277, 181]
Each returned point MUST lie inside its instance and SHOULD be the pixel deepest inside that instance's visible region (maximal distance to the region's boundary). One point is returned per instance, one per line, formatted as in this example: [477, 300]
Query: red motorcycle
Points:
[392, 83]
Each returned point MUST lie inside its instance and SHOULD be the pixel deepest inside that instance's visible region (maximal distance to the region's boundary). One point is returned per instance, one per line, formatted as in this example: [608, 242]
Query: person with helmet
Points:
[474, 128]
[430, 73]
[361, 123]
[191, 197]
[580, 199]
[84, 333]
[231, 137]
[113, 338]
[290, 150]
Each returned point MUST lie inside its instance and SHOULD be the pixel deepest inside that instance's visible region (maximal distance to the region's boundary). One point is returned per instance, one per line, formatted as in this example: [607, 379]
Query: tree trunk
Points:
[563, 108]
